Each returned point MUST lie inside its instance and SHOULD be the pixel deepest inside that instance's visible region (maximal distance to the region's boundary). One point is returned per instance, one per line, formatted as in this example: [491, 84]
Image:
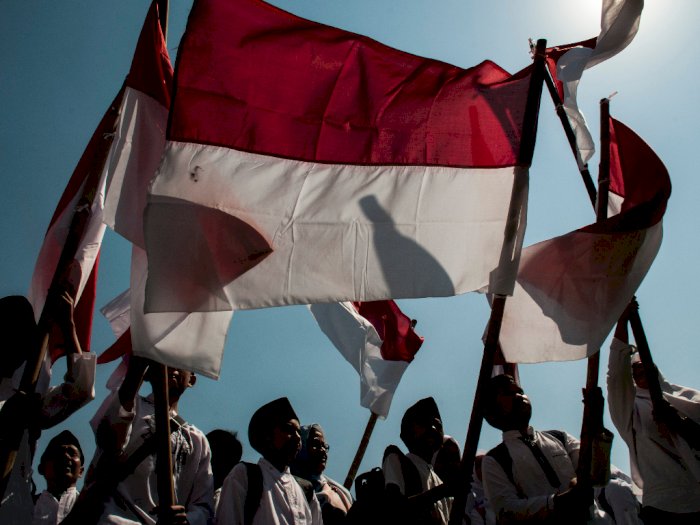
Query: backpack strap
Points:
[307, 487]
[502, 456]
[409, 471]
[559, 435]
[254, 493]
[605, 504]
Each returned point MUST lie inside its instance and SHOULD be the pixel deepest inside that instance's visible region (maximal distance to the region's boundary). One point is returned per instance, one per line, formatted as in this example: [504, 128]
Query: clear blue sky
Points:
[61, 63]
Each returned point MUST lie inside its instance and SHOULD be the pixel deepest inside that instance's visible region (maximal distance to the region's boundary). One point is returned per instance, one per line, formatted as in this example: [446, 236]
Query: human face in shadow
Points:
[64, 467]
[640, 378]
[317, 450]
[513, 407]
[286, 441]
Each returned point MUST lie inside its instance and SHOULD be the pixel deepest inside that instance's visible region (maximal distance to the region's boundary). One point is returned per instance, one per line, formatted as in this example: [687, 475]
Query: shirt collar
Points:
[510, 435]
[272, 469]
[419, 460]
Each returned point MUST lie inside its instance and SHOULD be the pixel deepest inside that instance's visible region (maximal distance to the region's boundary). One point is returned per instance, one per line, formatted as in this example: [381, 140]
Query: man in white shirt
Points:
[126, 421]
[412, 475]
[266, 493]
[531, 476]
[51, 405]
[664, 465]
[61, 465]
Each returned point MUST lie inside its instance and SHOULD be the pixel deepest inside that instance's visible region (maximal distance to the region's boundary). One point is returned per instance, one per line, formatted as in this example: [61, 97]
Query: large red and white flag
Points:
[140, 135]
[377, 339]
[306, 164]
[572, 289]
[193, 341]
[619, 23]
[75, 232]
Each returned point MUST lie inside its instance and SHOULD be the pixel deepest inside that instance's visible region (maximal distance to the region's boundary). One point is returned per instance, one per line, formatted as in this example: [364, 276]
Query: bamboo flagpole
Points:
[360, 451]
[527, 148]
[164, 465]
[163, 6]
[593, 404]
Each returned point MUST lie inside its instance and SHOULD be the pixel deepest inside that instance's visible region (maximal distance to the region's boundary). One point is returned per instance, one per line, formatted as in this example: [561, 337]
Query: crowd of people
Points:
[532, 476]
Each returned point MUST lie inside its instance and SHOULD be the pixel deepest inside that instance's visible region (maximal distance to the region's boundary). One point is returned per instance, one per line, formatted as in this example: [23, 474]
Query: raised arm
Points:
[621, 389]
[78, 387]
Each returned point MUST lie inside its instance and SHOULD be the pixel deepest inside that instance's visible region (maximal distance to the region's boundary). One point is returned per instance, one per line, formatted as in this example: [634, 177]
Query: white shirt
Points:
[662, 466]
[533, 498]
[620, 498]
[393, 474]
[282, 503]
[335, 493]
[477, 509]
[137, 495]
[51, 511]
[58, 402]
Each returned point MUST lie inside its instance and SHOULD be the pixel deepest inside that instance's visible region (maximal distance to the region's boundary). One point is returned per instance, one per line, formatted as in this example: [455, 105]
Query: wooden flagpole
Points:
[360, 451]
[79, 223]
[163, 6]
[527, 148]
[592, 423]
[161, 397]
[164, 464]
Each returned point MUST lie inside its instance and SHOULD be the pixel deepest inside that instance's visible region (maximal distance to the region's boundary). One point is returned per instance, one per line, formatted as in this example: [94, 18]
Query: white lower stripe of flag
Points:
[132, 162]
[338, 232]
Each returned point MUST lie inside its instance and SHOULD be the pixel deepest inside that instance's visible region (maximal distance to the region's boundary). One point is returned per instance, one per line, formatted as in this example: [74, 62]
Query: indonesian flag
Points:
[618, 26]
[192, 341]
[75, 233]
[140, 138]
[572, 289]
[377, 339]
[306, 164]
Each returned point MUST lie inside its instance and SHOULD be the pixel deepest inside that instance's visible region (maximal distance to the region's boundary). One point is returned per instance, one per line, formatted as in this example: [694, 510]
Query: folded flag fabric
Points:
[572, 289]
[307, 164]
[377, 339]
[191, 341]
[619, 24]
[140, 134]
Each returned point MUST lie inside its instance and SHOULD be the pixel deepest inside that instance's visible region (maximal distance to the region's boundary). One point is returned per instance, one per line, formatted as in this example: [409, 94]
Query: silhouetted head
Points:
[226, 452]
[505, 405]
[19, 331]
[62, 462]
[274, 431]
[638, 373]
[421, 428]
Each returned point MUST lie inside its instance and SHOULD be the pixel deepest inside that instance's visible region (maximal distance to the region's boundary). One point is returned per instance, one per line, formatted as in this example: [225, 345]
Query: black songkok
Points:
[266, 418]
[424, 411]
[54, 448]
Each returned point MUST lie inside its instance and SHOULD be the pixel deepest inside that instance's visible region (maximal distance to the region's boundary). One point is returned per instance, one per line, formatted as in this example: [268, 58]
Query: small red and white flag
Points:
[572, 289]
[307, 164]
[377, 339]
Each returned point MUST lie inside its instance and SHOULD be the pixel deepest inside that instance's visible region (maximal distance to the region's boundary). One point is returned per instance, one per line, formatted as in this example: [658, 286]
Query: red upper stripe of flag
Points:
[255, 78]
[636, 171]
[639, 176]
[151, 71]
